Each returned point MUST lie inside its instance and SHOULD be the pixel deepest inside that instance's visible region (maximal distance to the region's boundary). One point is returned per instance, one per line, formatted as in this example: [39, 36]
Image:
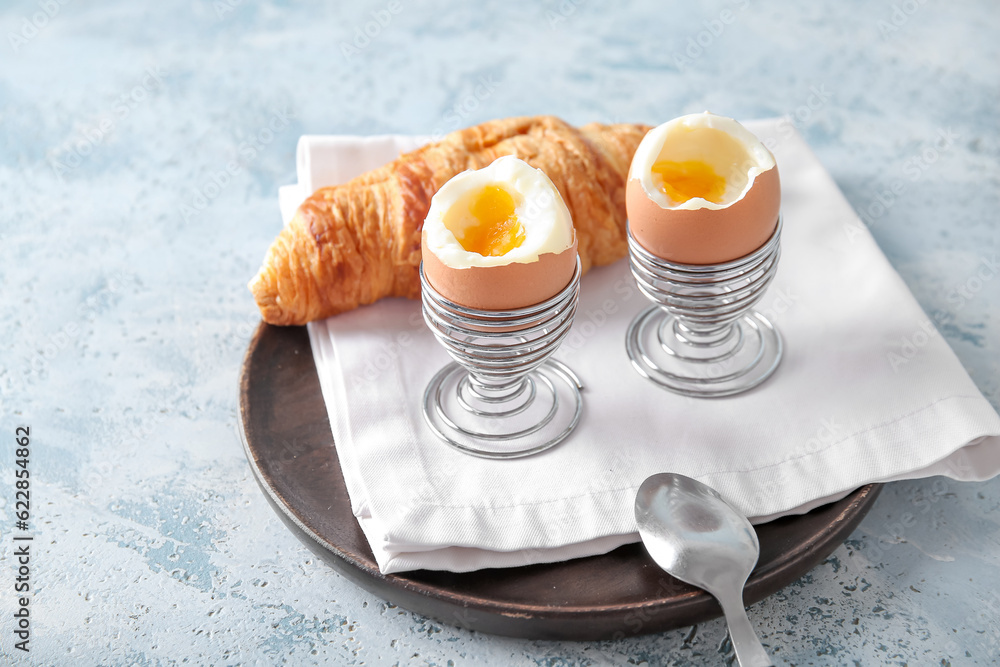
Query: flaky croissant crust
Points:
[355, 243]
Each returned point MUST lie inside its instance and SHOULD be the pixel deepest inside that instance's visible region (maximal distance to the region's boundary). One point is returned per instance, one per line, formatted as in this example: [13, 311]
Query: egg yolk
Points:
[495, 231]
[686, 180]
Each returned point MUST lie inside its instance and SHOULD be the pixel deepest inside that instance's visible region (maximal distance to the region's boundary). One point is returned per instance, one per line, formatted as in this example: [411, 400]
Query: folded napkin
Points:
[867, 391]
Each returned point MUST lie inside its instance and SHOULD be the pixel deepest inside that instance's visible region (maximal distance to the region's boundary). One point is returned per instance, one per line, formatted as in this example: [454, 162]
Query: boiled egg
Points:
[499, 238]
[702, 189]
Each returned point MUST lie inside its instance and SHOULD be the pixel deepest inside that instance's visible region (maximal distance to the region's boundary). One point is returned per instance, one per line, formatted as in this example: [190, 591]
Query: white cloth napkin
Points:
[867, 391]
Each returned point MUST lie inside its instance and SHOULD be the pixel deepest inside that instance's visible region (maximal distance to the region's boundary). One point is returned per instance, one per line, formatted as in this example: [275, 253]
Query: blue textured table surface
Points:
[141, 148]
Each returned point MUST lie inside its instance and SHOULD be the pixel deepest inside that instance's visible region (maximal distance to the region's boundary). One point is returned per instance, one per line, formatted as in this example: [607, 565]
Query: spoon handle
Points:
[749, 651]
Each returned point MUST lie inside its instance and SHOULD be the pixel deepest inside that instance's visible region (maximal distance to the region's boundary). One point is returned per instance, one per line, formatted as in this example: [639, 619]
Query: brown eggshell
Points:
[704, 236]
[505, 287]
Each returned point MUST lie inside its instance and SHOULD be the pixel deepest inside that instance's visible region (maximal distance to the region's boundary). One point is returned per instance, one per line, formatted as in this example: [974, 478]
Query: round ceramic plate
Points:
[289, 444]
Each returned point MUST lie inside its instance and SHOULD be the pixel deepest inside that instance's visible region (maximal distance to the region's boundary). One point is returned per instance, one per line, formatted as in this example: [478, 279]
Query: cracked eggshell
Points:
[699, 232]
[530, 273]
[503, 287]
[703, 236]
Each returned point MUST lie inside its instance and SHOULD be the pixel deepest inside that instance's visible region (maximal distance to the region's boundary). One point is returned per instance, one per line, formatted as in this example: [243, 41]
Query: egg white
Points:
[547, 225]
[733, 152]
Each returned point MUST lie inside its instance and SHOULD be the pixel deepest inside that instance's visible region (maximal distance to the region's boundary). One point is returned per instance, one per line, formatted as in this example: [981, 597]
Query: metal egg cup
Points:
[701, 337]
[500, 398]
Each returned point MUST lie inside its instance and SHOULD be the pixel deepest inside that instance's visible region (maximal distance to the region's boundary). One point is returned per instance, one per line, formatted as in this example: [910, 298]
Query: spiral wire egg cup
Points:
[702, 338]
[504, 389]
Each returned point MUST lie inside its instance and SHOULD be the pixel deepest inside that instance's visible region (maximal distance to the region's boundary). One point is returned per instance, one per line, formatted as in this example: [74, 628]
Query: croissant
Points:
[353, 244]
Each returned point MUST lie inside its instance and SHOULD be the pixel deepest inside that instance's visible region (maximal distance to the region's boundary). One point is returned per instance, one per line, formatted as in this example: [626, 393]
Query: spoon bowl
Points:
[699, 538]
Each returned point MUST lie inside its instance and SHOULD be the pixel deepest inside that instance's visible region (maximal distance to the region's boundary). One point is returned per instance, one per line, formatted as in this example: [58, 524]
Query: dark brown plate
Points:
[290, 447]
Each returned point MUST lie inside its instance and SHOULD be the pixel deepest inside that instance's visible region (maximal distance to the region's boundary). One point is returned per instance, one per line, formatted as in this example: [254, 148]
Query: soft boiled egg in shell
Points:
[702, 189]
[499, 238]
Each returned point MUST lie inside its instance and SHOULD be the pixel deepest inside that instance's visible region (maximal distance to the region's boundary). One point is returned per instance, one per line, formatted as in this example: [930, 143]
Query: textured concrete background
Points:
[124, 313]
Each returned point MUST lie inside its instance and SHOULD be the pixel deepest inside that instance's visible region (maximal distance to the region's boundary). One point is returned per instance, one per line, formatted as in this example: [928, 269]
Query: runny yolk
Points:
[496, 230]
[686, 180]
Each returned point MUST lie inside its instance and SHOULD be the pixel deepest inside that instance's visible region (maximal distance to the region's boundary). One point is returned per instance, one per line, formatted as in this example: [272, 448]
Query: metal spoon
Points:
[696, 536]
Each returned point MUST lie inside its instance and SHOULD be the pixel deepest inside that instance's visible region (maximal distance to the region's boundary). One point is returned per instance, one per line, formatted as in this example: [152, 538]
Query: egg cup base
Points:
[533, 417]
[740, 361]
